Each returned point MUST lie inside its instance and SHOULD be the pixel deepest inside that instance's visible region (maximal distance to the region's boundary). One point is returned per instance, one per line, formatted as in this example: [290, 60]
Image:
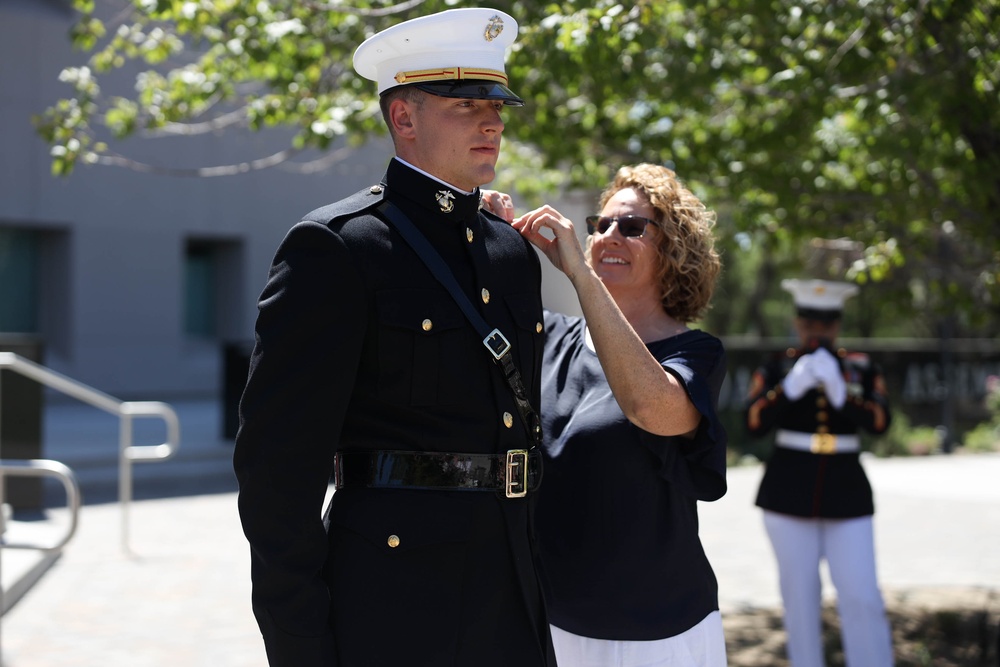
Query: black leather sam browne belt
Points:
[515, 474]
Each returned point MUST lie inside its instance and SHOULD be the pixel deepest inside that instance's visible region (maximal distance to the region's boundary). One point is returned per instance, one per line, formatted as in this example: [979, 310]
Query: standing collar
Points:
[429, 175]
[430, 193]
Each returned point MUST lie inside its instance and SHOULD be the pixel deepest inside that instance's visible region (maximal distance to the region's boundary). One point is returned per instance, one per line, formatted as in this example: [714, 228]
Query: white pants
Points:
[704, 645]
[849, 549]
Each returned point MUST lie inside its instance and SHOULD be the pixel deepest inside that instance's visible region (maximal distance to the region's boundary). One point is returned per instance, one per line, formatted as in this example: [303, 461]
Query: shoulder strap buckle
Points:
[497, 344]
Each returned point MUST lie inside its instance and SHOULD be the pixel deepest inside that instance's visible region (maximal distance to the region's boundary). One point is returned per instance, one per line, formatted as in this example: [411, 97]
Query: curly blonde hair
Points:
[688, 262]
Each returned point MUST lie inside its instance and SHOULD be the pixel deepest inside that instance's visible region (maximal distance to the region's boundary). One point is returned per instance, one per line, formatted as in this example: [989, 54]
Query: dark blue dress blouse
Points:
[616, 519]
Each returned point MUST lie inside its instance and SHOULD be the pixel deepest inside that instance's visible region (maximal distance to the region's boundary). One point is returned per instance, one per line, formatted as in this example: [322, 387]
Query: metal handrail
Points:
[40, 468]
[124, 410]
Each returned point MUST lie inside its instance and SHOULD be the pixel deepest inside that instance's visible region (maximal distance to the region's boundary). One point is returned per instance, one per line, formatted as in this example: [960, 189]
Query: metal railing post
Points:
[124, 410]
[125, 476]
[127, 452]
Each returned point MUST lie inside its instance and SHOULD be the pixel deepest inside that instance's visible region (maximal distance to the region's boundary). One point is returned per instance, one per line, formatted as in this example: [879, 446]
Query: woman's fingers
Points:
[559, 244]
[497, 203]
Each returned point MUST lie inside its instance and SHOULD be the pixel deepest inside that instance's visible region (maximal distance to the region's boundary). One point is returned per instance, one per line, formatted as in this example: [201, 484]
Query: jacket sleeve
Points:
[309, 332]
[766, 400]
[696, 466]
[867, 402]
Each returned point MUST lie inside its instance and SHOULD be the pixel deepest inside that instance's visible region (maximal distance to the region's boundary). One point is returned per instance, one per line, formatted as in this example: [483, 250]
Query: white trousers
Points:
[849, 549]
[704, 645]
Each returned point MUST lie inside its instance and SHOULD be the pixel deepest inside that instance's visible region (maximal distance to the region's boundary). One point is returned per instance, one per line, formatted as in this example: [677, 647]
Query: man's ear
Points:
[401, 114]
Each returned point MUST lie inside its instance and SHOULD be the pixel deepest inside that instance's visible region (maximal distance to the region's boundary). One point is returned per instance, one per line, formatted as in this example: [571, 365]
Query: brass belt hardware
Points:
[516, 481]
[817, 443]
[823, 443]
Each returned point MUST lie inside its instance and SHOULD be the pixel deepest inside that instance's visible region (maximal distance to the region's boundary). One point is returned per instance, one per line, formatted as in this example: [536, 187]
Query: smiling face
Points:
[455, 139]
[627, 266]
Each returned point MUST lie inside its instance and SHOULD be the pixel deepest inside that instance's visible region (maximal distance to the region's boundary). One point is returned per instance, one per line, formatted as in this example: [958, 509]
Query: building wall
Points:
[112, 259]
[112, 241]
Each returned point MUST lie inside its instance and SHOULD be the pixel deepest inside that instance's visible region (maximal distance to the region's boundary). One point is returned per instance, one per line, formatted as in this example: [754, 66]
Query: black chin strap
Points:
[495, 342]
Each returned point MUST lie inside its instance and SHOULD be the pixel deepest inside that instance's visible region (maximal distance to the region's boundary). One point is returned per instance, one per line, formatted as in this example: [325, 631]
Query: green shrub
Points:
[904, 439]
[983, 438]
[986, 436]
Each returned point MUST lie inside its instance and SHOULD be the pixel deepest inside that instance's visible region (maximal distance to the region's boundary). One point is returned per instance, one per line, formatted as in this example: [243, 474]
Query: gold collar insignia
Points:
[445, 200]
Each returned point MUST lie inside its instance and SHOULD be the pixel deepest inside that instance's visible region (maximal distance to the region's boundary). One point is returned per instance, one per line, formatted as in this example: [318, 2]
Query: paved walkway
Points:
[937, 525]
[182, 596]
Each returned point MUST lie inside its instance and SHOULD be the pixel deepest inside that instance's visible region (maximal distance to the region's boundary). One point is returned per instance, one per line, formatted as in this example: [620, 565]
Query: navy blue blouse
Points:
[616, 516]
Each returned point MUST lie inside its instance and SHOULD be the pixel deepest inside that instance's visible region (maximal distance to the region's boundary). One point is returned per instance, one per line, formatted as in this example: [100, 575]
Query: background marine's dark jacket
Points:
[359, 348]
[802, 483]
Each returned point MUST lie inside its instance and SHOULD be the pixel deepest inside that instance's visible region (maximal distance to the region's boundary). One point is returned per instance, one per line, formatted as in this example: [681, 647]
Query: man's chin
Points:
[485, 176]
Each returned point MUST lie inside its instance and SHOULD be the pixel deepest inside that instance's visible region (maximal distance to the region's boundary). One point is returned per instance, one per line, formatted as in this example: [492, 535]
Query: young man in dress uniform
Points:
[367, 372]
[816, 498]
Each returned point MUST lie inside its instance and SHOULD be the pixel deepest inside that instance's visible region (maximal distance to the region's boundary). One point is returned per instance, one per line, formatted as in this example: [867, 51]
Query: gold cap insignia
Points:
[493, 28]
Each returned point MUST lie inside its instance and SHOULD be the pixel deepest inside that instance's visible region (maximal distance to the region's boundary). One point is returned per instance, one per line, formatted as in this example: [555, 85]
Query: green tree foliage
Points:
[872, 120]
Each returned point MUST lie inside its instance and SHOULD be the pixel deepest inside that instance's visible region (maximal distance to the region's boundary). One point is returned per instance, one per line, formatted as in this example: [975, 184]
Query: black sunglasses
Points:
[631, 226]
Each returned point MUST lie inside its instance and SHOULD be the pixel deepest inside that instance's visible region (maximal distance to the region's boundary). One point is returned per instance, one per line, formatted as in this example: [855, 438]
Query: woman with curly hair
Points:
[632, 437]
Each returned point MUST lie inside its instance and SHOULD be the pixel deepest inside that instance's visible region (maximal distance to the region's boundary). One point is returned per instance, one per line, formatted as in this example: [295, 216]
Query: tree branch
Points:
[847, 46]
[200, 172]
[861, 89]
[319, 164]
[220, 122]
[386, 11]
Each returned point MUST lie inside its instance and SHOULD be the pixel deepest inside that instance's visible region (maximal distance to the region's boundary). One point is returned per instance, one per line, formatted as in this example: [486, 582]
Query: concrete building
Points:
[134, 282]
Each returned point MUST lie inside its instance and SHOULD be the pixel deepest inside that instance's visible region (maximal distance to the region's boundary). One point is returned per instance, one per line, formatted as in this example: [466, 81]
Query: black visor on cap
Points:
[819, 315]
[477, 89]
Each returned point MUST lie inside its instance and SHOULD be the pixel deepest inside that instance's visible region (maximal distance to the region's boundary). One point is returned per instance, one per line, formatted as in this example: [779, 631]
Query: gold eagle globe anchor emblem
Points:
[493, 28]
[445, 200]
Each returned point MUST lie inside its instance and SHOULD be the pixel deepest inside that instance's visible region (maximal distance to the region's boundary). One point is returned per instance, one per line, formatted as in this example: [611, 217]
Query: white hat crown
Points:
[819, 294]
[453, 45]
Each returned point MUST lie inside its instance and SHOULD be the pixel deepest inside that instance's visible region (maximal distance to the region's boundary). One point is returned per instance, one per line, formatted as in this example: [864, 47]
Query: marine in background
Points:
[816, 497]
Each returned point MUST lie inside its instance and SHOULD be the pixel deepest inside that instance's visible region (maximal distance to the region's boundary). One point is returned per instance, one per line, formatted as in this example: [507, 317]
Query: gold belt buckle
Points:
[823, 443]
[516, 482]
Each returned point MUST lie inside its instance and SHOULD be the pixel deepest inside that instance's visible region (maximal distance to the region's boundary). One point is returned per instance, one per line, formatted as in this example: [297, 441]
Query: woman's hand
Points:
[563, 249]
[498, 203]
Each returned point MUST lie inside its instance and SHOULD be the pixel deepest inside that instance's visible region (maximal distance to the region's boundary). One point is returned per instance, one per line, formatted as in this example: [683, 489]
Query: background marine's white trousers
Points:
[848, 547]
